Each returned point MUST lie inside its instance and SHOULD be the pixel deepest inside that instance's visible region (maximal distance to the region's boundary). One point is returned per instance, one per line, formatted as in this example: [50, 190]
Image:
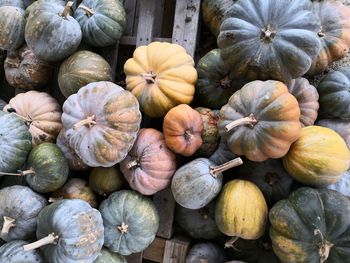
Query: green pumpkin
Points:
[131, 222]
[206, 252]
[105, 181]
[107, 256]
[13, 252]
[102, 22]
[311, 226]
[12, 24]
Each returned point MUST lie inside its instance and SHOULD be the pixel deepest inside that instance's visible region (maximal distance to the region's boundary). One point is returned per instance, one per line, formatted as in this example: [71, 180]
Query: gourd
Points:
[270, 39]
[130, 220]
[312, 226]
[105, 181]
[107, 256]
[102, 22]
[13, 252]
[343, 185]
[261, 120]
[80, 69]
[222, 154]
[342, 127]
[318, 158]
[19, 209]
[161, 76]
[206, 252]
[12, 24]
[101, 123]
[69, 231]
[198, 182]
[150, 164]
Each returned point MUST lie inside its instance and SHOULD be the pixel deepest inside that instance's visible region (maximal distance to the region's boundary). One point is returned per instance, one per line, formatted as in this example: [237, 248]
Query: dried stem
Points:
[20, 173]
[221, 168]
[230, 242]
[89, 11]
[54, 199]
[149, 77]
[50, 239]
[133, 164]
[67, 9]
[90, 121]
[8, 224]
[250, 120]
[123, 228]
[324, 247]
[225, 82]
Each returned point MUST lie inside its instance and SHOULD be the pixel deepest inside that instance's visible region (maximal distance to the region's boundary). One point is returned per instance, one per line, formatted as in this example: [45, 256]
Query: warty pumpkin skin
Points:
[318, 158]
[101, 123]
[12, 252]
[161, 76]
[107, 256]
[12, 24]
[206, 252]
[261, 120]
[342, 127]
[105, 180]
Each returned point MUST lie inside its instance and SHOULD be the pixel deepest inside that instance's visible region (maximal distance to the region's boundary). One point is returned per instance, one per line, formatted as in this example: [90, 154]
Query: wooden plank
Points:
[157, 31]
[168, 18]
[131, 40]
[110, 53]
[134, 258]
[146, 22]
[130, 9]
[176, 250]
[155, 251]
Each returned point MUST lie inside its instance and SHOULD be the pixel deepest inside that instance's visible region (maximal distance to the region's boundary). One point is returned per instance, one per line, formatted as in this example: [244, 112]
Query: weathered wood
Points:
[176, 250]
[135, 258]
[155, 251]
[168, 18]
[146, 22]
[111, 55]
[130, 9]
[131, 40]
[158, 20]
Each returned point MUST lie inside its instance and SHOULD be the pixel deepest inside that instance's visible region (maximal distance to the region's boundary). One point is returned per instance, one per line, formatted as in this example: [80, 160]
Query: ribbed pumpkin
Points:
[12, 24]
[343, 185]
[161, 76]
[104, 180]
[222, 154]
[150, 164]
[318, 158]
[80, 69]
[107, 256]
[342, 127]
[101, 123]
[261, 120]
[206, 252]
[13, 252]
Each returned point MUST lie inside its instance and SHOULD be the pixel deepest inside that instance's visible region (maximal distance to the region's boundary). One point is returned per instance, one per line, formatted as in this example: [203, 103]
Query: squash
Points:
[80, 69]
[206, 252]
[307, 97]
[182, 127]
[343, 185]
[161, 76]
[342, 127]
[130, 220]
[2, 104]
[19, 208]
[48, 44]
[222, 154]
[334, 93]
[24, 70]
[102, 22]
[311, 226]
[107, 256]
[15, 142]
[12, 252]
[198, 182]
[105, 181]
[334, 33]
[269, 39]
[17, 3]
[12, 24]
[150, 164]
[69, 231]
[241, 211]
[318, 158]
[101, 123]
[41, 112]
[261, 120]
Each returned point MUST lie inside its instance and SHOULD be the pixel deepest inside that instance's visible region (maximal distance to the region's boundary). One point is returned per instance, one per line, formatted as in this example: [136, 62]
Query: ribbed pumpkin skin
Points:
[105, 25]
[269, 39]
[15, 141]
[105, 180]
[161, 76]
[117, 116]
[318, 158]
[138, 213]
[340, 126]
[80, 69]
[12, 23]
[80, 230]
[277, 114]
[206, 252]
[304, 224]
[12, 252]
[343, 185]
[241, 210]
[23, 205]
[107, 256]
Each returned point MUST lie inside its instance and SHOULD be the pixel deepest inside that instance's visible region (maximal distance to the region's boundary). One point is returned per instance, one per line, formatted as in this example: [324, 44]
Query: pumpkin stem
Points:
[188, 135]
[324, 247]
[20, 173]
[221, 168]
[225, 82]
[123, 228]
[267, 34]
[133, 164]
[13, 62]
[67, 9]
[250, 120]
[54, 199]
[90, 121]
[150, 77]
[230, 243]
[8, 224]
[89, 11]
[50, 239]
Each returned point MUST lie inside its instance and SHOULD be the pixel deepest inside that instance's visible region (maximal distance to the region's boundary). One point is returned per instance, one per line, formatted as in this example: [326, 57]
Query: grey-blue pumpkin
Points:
[13, 252]
[12, 24]
[107, 256]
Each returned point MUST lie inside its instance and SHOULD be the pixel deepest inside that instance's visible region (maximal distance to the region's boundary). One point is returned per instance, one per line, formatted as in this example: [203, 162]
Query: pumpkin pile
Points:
[254, 153]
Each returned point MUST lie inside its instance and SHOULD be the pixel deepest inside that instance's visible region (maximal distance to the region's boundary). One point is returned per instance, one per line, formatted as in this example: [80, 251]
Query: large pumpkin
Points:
[101, 123]
[340, 126]
[12, 24]
[261, 120]
[311, 226]
[105, 180]
[13, 252]
[318, 158]
[206, 252]
[161, 76]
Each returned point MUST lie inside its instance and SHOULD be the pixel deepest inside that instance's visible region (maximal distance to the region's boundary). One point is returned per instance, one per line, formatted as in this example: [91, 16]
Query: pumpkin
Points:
[105, 181]
[334, 93]
[318, 158]
[15, 142]
[12, 24]
[206, 252]
[107, 256]
[17, 3]
[41, 112]
[102, 22]
[161, 76]
[311, 226]
[12, 252]
[48, 44]
[307, 98]
[101, 123]
[222, 154]
[334, 33]
[69, 231]
[131, 222]
[19, 208]
[80, 69]
[2, 104]
[38, 4]
[75, 188]
[241, 211]
[343, 185]
[261, 120]
[269, 39]
[182, 127]
[342, 127]
[198, 182]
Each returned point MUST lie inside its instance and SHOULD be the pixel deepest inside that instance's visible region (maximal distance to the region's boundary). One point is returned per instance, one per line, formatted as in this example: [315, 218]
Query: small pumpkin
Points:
[206, 252]
[105, 180]
[222, 154]
[161, 76]
[318, 158]
[150, 164]
[107, 256]
[342, 127]
[12, 24]
[80, 69]
[343, 185]
[130, 220]
[261, 120]
[13, 252]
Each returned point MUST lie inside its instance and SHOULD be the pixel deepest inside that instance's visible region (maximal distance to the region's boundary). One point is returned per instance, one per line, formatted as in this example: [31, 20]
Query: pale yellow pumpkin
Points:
[161, 76]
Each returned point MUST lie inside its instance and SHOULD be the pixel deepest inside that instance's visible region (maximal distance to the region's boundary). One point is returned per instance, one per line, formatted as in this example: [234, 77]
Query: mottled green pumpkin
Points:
[13, 252]
[107, 256]
[105, 180]
[206, 252]
[12, 24]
